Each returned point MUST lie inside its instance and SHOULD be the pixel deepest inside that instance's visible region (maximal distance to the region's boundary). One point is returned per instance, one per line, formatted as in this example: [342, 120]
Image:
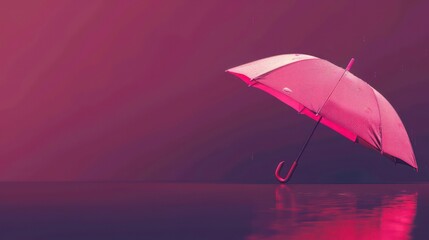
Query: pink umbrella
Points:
[334, 97]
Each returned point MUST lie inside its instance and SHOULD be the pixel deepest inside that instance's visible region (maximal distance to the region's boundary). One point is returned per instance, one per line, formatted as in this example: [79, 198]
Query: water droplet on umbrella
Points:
[368, 110]
[287, 90]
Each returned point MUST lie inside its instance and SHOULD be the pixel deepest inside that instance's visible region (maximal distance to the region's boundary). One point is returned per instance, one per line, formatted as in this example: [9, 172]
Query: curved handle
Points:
[289, 174]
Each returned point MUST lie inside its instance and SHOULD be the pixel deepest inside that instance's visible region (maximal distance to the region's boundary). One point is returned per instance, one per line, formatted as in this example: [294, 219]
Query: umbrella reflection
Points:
[336, 213]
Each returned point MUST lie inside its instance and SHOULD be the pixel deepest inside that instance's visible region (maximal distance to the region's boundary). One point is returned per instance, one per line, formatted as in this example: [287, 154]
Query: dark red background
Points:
[136, 90]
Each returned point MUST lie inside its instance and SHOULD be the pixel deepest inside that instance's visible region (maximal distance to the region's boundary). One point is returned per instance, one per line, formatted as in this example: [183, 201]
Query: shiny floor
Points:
[212, 211]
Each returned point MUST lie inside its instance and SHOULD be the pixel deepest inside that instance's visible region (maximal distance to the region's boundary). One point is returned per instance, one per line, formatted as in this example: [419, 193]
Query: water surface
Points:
[212, 211]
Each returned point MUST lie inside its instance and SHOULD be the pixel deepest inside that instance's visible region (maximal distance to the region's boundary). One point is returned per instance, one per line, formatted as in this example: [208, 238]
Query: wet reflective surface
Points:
[212, 211]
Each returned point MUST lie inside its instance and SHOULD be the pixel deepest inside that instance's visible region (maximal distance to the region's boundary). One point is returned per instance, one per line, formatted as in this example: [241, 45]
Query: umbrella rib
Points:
[379, 117]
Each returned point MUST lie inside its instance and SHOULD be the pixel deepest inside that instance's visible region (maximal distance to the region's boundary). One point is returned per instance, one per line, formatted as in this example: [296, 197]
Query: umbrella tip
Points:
[349, 66]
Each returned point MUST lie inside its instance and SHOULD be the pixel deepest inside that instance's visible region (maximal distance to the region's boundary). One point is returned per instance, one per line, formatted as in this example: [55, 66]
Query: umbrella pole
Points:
[295, 163]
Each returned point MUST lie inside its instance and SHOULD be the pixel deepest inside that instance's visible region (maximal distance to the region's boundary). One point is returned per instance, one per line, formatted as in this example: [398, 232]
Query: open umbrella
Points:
[334, 97]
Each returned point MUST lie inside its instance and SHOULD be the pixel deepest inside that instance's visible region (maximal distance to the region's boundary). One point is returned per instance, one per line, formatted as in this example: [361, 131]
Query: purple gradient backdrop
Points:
[136, 90]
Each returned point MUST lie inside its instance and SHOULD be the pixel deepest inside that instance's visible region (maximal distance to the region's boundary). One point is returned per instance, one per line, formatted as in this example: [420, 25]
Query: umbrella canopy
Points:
[334, 97]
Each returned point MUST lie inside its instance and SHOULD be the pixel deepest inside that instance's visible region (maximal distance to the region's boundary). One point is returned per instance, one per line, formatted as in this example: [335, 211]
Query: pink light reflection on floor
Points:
[337, 215]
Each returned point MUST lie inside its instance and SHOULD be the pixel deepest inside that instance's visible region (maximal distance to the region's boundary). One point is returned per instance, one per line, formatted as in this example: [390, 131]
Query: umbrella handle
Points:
[289, 174]
[295, 163]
